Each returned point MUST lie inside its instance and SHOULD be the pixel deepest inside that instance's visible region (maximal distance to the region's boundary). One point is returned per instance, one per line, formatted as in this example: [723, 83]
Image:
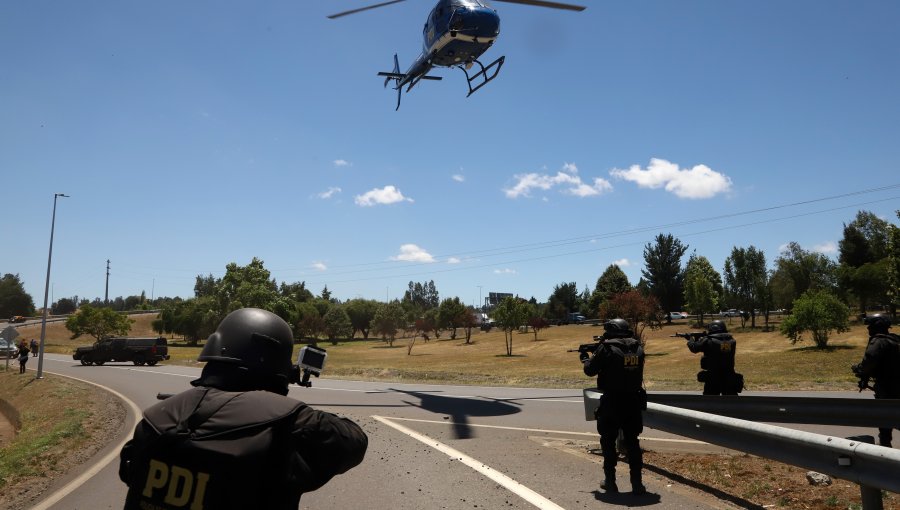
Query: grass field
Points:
[767, 359]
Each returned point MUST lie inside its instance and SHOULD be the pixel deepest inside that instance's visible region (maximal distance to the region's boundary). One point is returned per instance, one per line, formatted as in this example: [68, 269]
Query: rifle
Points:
[863, 383]
[689, 336]
[589, 348]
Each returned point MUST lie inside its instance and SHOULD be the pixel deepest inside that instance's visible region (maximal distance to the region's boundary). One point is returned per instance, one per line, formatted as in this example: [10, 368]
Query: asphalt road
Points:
[430, 447]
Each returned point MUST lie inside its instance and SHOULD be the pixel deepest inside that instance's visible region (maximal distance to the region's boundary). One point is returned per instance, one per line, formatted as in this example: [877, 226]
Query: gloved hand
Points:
[855, 369]
[863, 384]
[583, 356]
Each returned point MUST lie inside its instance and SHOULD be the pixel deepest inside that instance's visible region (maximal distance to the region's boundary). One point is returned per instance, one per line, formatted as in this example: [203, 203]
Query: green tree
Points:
[63, 306]
[613, 281]
[296, 292]
[702, 286]
[818, 312]
[337, 324]
[663, 273]
[13, 298]
[798, 270]
[309, 323]
[864, 257]
[894, 268]
[746, 279]
[563, 300]
[422, 296]
[205, 286]
[452, 315]
[194, 319]
[389, 319]
[98, 323]
[246, 286]
[361, 313]
[510, 314]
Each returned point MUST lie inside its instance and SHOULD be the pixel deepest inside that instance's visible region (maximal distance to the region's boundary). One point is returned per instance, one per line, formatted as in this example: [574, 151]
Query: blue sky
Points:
[194, 134]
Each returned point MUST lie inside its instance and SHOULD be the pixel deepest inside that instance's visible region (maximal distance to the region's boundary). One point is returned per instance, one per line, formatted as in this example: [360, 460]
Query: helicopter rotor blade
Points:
[361, 9]
[545, 3]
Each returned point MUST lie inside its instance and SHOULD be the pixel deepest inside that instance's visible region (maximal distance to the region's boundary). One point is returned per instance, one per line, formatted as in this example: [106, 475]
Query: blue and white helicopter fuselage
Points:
[456, 33]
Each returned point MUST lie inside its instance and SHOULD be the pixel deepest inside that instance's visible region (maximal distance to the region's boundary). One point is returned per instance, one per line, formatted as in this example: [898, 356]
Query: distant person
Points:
[881, 362]
[23, 356]
[618, 364]
[717, 364]
[236, 440]
[34, 348]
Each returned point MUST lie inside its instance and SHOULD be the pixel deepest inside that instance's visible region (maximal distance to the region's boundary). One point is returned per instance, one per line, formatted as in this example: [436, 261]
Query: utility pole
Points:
[106, 295]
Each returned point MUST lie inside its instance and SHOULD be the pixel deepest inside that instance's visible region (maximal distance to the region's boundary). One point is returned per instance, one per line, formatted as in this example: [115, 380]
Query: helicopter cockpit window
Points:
[456, 20]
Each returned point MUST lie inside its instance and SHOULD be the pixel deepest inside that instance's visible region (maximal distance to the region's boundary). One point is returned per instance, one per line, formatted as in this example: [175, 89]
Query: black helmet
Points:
[617, 328]
[878, 323]
[256, 341]
[716, 326]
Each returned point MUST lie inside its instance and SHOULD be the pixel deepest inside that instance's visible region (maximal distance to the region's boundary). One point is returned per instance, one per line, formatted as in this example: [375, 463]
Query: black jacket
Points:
[220, 449]
[618, 364]
[718, 351]
[882, 363]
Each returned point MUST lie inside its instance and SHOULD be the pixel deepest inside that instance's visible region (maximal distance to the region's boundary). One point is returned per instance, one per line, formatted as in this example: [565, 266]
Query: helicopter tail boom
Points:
[411, 78]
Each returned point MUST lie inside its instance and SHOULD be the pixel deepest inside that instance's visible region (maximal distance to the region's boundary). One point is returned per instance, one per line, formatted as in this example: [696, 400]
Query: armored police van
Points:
[140, 351]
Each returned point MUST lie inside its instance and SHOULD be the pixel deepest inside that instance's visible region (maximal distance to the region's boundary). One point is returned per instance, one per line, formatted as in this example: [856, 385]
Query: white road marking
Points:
[97, 466]
[544, 431]
[513, 486]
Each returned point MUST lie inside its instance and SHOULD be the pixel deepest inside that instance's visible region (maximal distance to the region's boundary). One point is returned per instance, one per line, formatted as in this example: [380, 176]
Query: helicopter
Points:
[456, 33]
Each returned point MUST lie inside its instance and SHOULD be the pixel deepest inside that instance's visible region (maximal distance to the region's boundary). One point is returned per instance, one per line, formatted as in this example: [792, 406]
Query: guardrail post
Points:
[870, 496]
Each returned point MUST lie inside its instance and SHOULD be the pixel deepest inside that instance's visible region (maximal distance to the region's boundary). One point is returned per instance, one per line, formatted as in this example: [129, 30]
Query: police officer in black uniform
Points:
[717, 364]
[235, 440]
[618, 364]
[882, 363]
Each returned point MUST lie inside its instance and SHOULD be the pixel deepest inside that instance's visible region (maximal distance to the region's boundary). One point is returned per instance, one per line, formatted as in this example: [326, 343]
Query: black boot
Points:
[637, 488]
[609, 485]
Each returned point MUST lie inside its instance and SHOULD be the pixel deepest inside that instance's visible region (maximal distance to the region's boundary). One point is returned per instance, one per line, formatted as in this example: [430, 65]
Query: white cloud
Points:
[386, 195]
[412, 253]
[453, 260]
[567, 179]
[459, 177]
[622, 262]
[826, 248]
[342, 162]
[505, 271]
[697, 182]
[330, 192]
[319, 266]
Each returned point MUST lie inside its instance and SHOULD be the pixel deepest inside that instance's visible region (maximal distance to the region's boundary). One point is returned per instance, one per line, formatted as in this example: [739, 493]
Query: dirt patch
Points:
[747, 481]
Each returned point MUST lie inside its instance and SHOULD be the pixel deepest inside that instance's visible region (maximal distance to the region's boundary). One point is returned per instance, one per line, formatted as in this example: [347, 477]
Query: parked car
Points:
[675, 316]
[731, 313]
[7, 350]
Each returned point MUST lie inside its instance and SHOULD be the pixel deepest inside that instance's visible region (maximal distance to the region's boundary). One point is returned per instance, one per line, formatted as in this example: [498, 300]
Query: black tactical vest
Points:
[718, 353]
[621, 365]
[207, 449]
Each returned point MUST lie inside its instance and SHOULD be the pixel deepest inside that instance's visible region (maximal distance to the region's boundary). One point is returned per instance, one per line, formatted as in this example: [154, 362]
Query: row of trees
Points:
[866, 272]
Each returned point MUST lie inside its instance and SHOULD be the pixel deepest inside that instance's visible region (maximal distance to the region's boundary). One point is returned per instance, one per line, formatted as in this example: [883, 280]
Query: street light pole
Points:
[40, 369]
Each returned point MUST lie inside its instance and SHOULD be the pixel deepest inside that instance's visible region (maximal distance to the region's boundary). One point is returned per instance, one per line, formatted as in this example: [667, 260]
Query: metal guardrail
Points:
[853, 412]
[865, 464]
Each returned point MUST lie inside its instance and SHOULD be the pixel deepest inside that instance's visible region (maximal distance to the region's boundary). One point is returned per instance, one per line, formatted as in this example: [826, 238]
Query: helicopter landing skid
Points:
[483, 74]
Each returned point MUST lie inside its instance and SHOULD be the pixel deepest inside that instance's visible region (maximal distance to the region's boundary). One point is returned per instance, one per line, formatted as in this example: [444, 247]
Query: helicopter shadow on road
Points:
[461, 409]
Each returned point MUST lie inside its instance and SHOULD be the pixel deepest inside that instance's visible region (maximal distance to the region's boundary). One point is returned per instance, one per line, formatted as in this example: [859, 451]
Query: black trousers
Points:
[885, 434]
[620, 412]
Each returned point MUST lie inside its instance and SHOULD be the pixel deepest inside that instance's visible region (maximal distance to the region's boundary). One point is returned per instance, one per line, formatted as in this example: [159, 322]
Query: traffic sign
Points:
[9, 334]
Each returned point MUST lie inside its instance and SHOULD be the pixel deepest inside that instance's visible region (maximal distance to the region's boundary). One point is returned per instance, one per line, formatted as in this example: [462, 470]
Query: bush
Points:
[819, 313]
